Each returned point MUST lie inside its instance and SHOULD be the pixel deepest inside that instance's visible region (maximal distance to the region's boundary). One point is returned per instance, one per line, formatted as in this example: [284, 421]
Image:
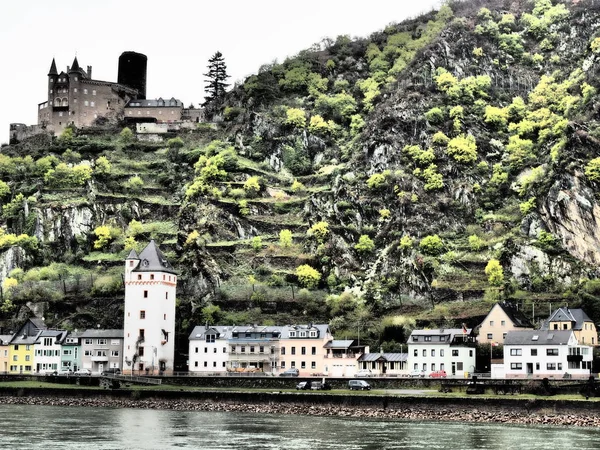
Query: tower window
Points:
[139, 276]
[166, 296]
[145, 294]
[142, 314]
[152, 276]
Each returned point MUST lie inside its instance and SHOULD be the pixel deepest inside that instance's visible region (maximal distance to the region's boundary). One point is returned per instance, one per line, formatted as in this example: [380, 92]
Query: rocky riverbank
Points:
[520, 416]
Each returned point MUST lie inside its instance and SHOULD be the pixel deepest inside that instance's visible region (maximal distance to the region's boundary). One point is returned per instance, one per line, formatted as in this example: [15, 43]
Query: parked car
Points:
[290, 373]
[318, 386]
[359, 385]
[417, 373]
[363, 373]
[303, 385]
[65, 372]
[83, 372]
[438, 374]
[111, 371]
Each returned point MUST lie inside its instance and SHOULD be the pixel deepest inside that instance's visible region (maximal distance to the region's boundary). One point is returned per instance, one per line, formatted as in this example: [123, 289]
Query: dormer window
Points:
[313, 334]
[292, 334]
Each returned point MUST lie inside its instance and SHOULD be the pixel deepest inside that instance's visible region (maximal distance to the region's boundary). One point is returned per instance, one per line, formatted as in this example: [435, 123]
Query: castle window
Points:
[147, 113]
[92, 104]
[130, 113]
[60, 114]
[85, 91]
[75, 90]
[139, 113]
[160, 112]
[152, 276]
[164, 317]
[86, 103]
[145, 294]
[76, 78]
[65, 102]
[51, 91]
[139, 276]
[142, 314]
[93, 92]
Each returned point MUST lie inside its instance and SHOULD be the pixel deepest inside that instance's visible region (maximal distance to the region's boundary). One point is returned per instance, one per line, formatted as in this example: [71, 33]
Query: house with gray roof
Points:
[5, 352]
[71, 352]
[384, 364]
[48, 351]
[546, 354]
[448, 349]
[22, 346]
[574, 319]
[101, 350]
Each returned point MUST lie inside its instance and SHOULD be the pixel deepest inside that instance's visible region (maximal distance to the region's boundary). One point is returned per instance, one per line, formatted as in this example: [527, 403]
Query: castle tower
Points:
[149, 325]
[52, 80]
[132, 72]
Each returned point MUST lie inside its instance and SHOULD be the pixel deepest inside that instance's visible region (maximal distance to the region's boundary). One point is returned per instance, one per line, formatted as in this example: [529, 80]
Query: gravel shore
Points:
[409, 412]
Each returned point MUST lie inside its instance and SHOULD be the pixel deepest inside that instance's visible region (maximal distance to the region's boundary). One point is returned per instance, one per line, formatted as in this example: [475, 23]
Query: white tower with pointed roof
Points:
[149, 325]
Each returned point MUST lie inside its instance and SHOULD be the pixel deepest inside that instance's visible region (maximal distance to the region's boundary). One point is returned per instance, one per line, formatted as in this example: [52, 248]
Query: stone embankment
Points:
[518, 414]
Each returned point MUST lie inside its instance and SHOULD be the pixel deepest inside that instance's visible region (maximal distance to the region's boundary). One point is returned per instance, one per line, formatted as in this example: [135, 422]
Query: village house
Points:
[304, 347]
[101, 350]
[342, 357]
[209, 349]
[451, 350]
[573, 319]
[22, 346]
[384, 364]
[5, 352]
[502, 318]
[71, 352]
[546, 354]
[48, 351]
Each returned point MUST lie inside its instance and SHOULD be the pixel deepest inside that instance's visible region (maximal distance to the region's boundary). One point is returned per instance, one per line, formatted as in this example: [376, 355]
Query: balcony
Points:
[574, 358]
[99, 358]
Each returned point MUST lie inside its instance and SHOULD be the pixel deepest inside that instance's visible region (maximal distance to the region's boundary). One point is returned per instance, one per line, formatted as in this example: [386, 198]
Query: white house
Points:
[149, 324]
[452, 350]
[209, 349]
[48, 350]
[545, 354]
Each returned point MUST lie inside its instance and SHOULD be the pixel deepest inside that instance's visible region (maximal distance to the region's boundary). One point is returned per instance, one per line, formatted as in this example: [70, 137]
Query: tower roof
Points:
[132, 255]
[53, 70]
[153, 260]
[75, 67]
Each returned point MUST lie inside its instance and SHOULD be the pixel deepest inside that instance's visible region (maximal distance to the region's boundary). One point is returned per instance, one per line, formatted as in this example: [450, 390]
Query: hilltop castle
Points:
[76, 99]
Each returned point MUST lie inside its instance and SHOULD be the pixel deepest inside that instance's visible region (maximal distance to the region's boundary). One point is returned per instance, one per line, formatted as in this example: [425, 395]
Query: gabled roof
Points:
[538, 337]
[153, 260]
[5, 338]
[564, 314]
[517, 317]
[132, 254]
[53, 70]
[347, 343]
[389, 357]
[60, 335]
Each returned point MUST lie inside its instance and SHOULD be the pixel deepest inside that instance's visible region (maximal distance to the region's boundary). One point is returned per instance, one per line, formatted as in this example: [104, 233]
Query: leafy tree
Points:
[102, 166]
[4, 189]
[463, 148]
[297, 187]
[134, 228]
[256, 243]
[320, 231]
[126, 135]
[592, 169]
[295, 117]
[211, 314]
[475, 243]
[252, 186]
[105, 234]
[216, 78]
[431, 245]
[495, 273]
[134, 184]
[365, 244]
[307, 276]
[406, 242]
[285, 238]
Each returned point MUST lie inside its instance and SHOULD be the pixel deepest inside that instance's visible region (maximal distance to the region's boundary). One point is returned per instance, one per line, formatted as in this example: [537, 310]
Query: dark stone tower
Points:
[132, 72]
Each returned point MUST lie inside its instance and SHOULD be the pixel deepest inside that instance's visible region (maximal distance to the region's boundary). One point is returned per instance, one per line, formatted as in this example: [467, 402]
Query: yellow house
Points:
[21, 352]
[4, 353]
[502, 318]
[576, 320]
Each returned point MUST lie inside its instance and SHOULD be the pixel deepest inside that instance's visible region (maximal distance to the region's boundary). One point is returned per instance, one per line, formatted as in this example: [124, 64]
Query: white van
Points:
[359, 385]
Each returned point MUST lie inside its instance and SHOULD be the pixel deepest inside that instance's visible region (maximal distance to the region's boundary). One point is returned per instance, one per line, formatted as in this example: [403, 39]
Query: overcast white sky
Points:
[177, 36]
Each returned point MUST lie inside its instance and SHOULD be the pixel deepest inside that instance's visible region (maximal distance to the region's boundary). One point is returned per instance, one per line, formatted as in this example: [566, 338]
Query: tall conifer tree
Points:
[216, 78]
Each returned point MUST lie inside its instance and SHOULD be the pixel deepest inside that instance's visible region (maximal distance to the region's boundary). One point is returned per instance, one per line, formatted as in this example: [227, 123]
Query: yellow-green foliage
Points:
[517, 109]
[419, 156]
[357, 123]
[285, 238]
[22, 240]
[256, 243]
[318, 125]
[475, 243]
[433, 179]
[126, 135]
[495, 273]
[543, 15]
[384, 214]
[192, 238]
[297, 187]
[499, 176]
[511, 43]
[507, 22]
[105, 234]
[466, 90]
[592, 170]
[370, 90]
[295, 117]
[307, 276]
[134, 184]
[339, 107]
[378, 180]
[595, 45]
[484, 14]
[527, 206]
[440, 138]
[497, 117]
[4, 189]
[529, 180]
[365, 244]
[102, 166]
[520, 151]
[252, 186]
[63, 176]
[478, 52]
[319, 231]
[435, 115]
[406, 242]
[134, 228]
[432, 245]
[463, 148]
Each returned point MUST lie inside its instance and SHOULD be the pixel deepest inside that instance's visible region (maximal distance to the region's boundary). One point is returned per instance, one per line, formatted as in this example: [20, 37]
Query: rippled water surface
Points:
[47, 427]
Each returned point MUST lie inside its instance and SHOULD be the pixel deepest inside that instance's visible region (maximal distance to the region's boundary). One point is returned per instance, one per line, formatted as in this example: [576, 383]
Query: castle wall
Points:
[161, 114]
[20, 131]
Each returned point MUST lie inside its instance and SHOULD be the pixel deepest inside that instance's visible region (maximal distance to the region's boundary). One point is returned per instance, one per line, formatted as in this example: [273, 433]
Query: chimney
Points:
[68, 68]
[89, 72]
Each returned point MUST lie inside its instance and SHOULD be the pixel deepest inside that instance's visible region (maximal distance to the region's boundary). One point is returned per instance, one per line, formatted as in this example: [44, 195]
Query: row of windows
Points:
[166, 295]
[20, 368]
[428, 338]
[491, 336]
[313, 350]
[312, 334]
[390, 365]
[113, 353]
[214, 364]
[549, 366]
[143, 315]
[502, 323]
[16, 357]
[313, 365]
[148, 113]
[424, 352]
[47, 352]
[534, 352]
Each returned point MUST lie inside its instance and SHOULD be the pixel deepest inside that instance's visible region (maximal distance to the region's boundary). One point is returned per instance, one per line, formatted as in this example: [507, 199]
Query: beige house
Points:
[304, 347]
[502, 318]
[576, 320]
[4, 352]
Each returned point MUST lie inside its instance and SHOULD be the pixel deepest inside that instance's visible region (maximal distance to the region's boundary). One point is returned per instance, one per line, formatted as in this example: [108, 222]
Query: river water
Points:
[49, 427]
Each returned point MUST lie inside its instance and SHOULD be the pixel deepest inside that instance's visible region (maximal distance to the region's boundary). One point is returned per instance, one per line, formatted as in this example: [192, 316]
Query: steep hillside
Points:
[412, 177]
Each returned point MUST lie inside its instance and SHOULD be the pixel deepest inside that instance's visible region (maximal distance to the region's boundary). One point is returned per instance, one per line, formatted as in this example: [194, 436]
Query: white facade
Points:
[48, 350]
[149, 324]
[546, 354]
[451, 350]
[208, 352]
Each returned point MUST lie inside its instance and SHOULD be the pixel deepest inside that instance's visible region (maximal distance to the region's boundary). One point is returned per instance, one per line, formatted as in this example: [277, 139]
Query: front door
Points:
[529, 368]
[100, 367]
[453, 368]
